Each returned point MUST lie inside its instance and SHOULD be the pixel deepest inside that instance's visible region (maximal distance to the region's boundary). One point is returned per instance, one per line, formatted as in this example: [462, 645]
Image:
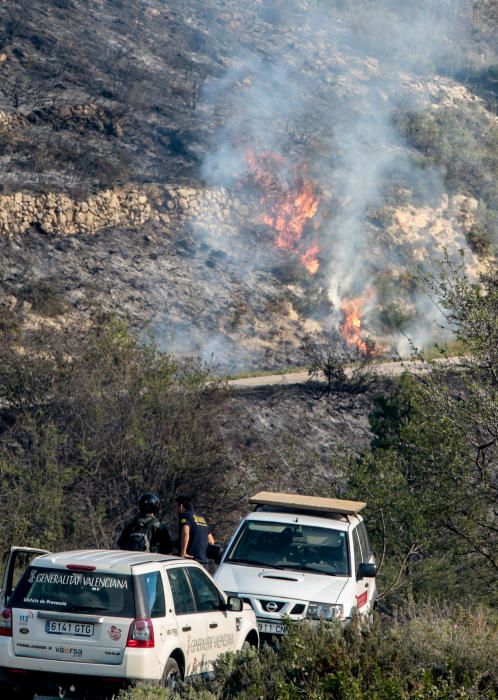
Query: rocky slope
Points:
[231, 178]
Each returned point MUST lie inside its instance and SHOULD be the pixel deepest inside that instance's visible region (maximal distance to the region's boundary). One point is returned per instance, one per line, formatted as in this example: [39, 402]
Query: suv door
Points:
[191, 626]
[365, 587]
[220, 623]
[15, 562]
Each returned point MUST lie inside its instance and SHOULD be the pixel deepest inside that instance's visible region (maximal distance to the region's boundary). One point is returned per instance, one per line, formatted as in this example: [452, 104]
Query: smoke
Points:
[339, 73]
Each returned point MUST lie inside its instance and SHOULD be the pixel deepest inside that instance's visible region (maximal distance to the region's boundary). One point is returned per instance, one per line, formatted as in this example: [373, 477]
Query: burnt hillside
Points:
[233, 178]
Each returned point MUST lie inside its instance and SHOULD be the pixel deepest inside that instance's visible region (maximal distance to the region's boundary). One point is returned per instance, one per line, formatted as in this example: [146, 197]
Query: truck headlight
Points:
[325, 611]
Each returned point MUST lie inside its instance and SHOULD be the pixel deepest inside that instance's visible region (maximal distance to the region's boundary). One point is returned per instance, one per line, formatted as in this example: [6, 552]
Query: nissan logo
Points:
[271, 606]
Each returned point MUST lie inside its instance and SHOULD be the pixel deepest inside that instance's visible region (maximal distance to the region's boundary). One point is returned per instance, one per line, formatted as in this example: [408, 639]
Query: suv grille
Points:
[272, 605]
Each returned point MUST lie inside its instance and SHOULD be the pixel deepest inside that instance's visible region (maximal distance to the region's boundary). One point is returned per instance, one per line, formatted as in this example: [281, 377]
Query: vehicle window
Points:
[151, 586]
[207, 596]
[21, 562]
[366, 550]
[357, 549]
[291, 546]
[74, 591]
[182, 593]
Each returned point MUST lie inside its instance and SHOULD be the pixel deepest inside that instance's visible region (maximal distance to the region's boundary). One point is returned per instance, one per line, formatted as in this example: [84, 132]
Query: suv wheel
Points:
[171, 675]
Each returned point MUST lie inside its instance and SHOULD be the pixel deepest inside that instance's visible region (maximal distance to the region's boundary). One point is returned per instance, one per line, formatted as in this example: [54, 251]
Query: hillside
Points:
[196, 190]
[231, 179]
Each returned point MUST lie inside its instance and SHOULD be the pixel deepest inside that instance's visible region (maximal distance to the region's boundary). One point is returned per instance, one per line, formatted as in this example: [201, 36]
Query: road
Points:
[384, 369]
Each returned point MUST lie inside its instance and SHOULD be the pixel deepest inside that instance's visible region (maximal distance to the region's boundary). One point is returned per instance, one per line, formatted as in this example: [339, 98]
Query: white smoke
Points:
[339, 71]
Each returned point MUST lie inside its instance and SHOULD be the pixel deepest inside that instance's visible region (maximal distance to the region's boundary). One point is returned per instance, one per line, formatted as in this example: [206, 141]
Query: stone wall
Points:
[125, 207]
[11, 120]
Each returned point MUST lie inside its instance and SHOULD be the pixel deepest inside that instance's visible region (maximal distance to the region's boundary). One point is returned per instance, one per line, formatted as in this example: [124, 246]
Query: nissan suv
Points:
[300, 557]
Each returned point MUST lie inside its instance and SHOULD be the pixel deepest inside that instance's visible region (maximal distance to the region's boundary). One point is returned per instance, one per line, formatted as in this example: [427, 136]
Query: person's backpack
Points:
[139, 539]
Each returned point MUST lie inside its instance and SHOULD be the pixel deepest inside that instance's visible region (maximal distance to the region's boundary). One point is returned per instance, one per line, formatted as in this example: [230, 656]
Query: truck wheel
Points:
[171, 675]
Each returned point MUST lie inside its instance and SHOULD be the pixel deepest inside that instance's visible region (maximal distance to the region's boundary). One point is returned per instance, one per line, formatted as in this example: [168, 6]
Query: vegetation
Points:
[89, 419]
[430, 482]
[430, 478]
[343, 366]
[430, 652]
[464, 143]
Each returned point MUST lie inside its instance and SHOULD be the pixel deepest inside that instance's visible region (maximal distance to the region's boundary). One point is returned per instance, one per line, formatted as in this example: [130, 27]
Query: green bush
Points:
[430, 652]
[90, 419]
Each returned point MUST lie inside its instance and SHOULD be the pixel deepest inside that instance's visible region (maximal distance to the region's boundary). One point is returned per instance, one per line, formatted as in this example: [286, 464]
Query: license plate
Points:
[270, 628]
[80, 629]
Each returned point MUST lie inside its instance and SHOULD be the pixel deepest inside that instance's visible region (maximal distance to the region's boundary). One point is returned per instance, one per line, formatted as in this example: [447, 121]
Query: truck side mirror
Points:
[366, 570]
[234, 604]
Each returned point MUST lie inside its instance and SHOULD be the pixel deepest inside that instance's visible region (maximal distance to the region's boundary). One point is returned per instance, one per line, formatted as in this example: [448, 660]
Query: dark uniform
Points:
[158, 533]
[198, 535]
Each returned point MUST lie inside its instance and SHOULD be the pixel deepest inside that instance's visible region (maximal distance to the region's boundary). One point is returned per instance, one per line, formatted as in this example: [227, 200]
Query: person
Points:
[144, 532]
[194, 534]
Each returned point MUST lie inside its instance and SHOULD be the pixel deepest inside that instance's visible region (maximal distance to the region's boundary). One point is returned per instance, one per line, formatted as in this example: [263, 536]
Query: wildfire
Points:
[290, 202]
[351, 325]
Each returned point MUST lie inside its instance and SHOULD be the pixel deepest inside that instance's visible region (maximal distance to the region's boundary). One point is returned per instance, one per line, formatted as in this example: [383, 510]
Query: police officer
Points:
[144, 532]
[194, 534]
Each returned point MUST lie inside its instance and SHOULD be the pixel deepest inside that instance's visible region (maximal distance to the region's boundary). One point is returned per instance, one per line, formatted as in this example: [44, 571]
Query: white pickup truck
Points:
[300, 557]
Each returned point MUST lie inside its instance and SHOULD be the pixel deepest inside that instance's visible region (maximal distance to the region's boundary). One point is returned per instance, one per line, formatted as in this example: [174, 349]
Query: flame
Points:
[351, 327]
[290, 202]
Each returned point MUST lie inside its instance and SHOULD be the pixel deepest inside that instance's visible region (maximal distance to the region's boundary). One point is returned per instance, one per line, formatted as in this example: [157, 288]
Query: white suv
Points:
[300, 557]
[101, 620]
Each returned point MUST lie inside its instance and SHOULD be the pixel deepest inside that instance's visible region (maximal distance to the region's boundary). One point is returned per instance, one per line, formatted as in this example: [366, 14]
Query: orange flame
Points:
[351, 324]
[289, 207]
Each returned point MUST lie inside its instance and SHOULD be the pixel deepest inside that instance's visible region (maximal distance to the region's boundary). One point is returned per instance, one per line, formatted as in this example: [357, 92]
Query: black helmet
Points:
[149, 503]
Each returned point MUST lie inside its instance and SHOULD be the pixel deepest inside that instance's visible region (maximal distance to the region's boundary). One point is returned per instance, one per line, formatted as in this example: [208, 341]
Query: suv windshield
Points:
[73, 591]
[291, 546]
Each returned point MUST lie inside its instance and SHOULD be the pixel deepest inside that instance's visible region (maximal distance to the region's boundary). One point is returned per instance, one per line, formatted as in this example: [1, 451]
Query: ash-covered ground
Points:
[349, 150]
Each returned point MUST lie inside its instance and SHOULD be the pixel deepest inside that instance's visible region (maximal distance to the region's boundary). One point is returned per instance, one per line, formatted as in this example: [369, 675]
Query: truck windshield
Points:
[72, 591]
[291, 546]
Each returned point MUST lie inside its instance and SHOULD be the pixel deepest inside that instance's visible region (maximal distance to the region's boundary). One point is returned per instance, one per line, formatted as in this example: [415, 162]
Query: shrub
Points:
[432, 652]
[89, 420]
[45, 297]
[465, 143]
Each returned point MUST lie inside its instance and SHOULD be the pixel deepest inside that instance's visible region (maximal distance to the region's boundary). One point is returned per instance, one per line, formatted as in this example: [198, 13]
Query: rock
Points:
[65, 112]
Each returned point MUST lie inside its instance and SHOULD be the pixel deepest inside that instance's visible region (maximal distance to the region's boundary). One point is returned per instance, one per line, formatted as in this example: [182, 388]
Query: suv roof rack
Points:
[294, 501]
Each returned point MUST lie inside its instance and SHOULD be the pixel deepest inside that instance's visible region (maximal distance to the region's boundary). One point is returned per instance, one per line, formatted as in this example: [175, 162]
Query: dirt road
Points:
[385, 369]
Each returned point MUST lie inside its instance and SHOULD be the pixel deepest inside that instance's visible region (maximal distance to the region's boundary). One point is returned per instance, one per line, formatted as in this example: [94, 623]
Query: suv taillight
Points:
[6, 623]
[141, 634]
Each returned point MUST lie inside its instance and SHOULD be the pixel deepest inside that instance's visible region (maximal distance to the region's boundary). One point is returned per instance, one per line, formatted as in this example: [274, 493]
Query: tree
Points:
[344, 367]
[89, 420]
[469, 403]
[20, 93]
[431, 477]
